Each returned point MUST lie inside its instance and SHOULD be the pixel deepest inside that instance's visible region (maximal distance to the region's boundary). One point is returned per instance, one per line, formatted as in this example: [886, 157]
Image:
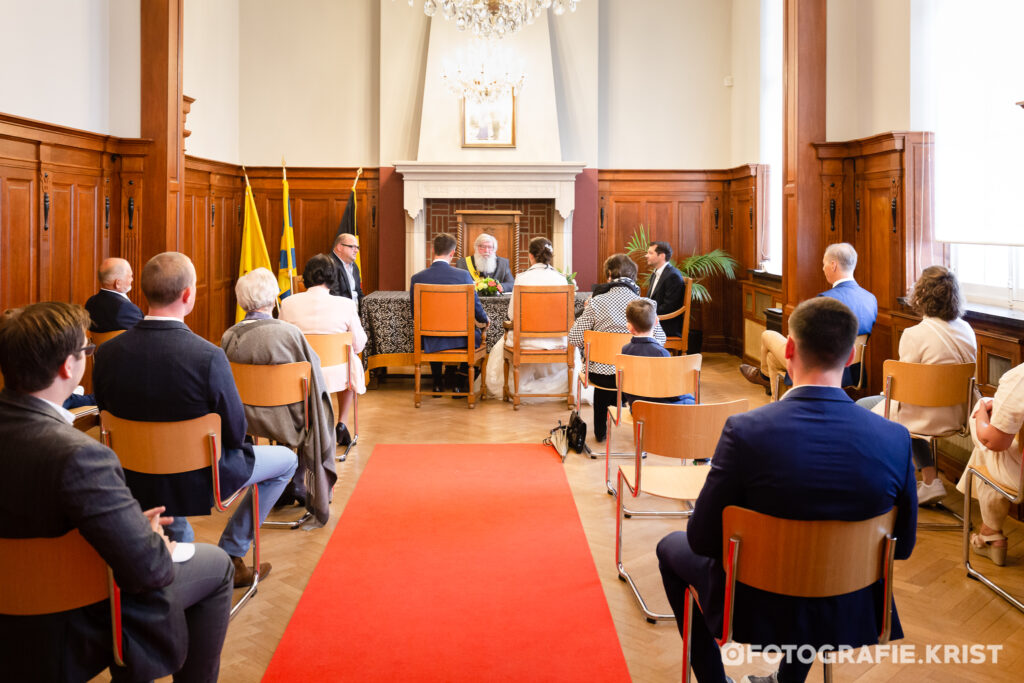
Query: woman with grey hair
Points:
[259, 339]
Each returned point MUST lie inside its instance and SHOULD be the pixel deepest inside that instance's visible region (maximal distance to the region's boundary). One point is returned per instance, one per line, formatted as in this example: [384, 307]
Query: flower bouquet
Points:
[487, 286]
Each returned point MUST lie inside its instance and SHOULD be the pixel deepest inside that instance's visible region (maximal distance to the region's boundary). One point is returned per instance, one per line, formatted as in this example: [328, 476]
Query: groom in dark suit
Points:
[174, 615]
[441, 272]
[667, 287]
[110, 308]
[812, 455]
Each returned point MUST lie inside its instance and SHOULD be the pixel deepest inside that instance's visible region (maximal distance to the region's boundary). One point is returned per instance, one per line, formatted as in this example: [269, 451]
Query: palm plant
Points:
[696, 266]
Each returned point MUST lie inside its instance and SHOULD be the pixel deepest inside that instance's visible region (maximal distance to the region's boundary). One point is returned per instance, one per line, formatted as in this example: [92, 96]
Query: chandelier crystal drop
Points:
[483, 73]
[494, 18]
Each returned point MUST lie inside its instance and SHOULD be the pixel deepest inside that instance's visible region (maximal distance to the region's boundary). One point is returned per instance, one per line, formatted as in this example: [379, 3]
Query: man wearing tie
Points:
[346, 247]
[667, 286]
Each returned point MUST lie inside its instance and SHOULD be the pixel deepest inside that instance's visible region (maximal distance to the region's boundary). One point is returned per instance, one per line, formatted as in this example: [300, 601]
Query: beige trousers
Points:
[773, 353]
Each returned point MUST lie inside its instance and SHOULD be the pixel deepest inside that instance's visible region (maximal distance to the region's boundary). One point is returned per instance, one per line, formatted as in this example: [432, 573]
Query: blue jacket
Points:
[111, 311]
[860, 301]
[160, 371]
[812, 455]
[441, 273]
[649, 346]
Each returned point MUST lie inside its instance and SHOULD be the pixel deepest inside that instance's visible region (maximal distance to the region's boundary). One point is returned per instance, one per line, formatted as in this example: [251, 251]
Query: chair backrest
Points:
[543, 310]
[681, 431]
[272, 385]
[101, 337]
[163, 447]
[659, 377]
[46, 575]
[928, 386]
[860, 346]
[333, 349]
[683, 310]
[603, 347]
[443, 311]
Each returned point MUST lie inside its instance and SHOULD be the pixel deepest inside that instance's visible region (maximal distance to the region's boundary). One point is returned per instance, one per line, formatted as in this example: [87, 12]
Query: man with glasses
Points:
[346, 248]
[486, 263]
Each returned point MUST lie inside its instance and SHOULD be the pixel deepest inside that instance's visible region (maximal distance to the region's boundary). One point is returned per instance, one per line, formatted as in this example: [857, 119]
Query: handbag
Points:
[576, 433]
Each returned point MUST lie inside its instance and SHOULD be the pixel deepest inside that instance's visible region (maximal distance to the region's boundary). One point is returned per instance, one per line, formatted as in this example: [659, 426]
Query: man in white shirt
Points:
[346, 248]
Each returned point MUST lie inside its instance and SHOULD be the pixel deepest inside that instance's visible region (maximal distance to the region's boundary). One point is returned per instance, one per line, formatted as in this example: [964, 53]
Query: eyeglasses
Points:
[351, 246]
[87, 349]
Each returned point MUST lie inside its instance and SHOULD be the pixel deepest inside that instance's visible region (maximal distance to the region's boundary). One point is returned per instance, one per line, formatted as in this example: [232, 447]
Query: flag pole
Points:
[356, 181]
[284, 168]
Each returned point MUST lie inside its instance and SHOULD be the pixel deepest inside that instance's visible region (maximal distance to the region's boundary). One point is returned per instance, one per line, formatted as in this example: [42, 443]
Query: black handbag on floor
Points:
[577, 433]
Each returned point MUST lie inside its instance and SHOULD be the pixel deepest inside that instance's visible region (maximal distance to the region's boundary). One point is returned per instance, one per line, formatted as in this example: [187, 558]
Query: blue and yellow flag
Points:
[254, 249]
[286, 267]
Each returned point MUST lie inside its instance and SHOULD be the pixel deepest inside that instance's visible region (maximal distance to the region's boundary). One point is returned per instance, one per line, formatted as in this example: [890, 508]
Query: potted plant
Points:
[696, 266]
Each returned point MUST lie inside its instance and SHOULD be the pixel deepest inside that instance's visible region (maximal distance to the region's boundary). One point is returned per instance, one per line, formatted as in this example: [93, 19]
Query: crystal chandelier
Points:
[494, 18]
[484, 73]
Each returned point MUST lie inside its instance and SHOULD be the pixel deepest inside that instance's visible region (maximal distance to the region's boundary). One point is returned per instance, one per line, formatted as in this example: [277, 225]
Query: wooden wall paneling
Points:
[19, 226]
[194, 237]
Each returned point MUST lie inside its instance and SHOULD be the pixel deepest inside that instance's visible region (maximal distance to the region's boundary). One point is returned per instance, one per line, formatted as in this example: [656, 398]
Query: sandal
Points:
[983, 545]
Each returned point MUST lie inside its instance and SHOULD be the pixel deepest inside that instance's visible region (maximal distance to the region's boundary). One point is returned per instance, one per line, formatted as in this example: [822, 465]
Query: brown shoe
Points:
[243, 572]
[753, 375]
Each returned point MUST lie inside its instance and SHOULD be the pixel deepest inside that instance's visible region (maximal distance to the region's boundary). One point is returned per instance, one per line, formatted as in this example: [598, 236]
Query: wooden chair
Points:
[47, 575]
[273, 386]
[99, 338]
[651, 378]
[446, 311]
[599, 347]
[1015, 496]
[540, 312]
[174, 448]
[681, 343]
[860, 345]
[801, 558]
[932, 386]
[335, 349]
[674, 431]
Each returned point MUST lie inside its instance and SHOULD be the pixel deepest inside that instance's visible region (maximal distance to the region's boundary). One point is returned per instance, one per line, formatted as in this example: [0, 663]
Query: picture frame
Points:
[488, 124]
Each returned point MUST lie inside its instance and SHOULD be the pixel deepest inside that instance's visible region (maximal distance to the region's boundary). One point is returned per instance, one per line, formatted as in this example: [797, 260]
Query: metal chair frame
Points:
[1015, 497]
[685, 432]
[172, 439]
[255, 387]
[71, 566]
[768, 566]
[336, 348]
[924, 398]
[599, 347]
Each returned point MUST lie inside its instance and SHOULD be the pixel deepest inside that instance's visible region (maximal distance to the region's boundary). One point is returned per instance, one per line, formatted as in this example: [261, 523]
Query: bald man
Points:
[110, 308]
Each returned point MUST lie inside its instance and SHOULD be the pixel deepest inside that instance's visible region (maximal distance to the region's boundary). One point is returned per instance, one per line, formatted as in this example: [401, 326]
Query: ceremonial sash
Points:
[472, 269]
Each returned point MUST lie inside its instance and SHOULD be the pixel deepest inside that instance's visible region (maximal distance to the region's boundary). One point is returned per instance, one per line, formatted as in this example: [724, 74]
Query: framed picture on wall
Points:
[489, 124]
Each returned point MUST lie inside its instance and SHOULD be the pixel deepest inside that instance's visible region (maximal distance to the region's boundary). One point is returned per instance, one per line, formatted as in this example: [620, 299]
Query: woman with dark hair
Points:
[606, 312]
[942, 337]
[536, 378]
[316, 311]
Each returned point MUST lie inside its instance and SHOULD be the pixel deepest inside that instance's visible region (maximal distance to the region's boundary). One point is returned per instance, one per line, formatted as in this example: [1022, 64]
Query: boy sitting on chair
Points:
[640, 320]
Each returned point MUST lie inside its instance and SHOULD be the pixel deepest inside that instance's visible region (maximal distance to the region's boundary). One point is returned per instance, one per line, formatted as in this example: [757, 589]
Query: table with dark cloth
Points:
[387, 319]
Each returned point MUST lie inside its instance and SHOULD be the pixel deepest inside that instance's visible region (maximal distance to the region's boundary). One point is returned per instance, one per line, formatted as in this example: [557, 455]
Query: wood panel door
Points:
[194, 241]
[879, 247]
[19, 236]
[72, 241]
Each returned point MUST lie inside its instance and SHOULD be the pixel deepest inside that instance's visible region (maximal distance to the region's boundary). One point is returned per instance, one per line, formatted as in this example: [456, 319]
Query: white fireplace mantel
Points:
[424, 180]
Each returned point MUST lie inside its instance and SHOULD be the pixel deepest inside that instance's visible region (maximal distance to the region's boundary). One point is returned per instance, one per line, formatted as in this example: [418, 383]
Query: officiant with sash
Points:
[485, 263]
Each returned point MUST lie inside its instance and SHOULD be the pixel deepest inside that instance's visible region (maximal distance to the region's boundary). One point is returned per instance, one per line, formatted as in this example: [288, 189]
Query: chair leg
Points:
[515, 394]
[355, 428]
[568, 386]
[652, 617]
[828, 672]
[938, 526]
[416, 379]
[504, 390]
[470, 398]
[251, 590]
[687, 615]
[973, 573]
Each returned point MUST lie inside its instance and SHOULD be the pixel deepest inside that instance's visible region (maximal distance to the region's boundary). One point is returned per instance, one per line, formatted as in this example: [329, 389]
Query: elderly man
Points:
[160, 371]
[784, 459]
[838, 264]
[487, 264]
[441, 272]
[174, 614]
[667, 286]
[110, 308]
[343, 255]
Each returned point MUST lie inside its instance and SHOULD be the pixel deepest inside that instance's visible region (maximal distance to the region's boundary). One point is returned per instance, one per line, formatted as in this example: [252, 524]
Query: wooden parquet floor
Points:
[938, 605]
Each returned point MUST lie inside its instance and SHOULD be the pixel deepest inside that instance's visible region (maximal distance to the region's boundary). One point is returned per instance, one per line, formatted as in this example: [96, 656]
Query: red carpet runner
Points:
[454, 563]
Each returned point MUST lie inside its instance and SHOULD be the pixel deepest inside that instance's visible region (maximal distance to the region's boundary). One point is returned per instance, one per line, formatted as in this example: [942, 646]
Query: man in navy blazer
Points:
[441, 272]
[838, 264]
[160, 371]
[343, 255]
[667, 287]
[110, 308]
[812, 455]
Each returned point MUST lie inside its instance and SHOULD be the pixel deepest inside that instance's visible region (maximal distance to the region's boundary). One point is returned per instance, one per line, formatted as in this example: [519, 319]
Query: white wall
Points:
[61, 57]
[536, 130]
[575, 51]
[661, 100]
[309, 82]
[745, 104]
[210, 43]
[868, 67]
[404, 39]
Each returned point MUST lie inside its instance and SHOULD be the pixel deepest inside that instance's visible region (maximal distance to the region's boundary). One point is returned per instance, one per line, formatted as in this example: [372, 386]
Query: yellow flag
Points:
[254, 249]
[286, 266]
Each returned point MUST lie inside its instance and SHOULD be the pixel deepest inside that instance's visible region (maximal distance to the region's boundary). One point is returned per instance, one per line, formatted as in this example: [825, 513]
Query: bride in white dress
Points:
[538, 378]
